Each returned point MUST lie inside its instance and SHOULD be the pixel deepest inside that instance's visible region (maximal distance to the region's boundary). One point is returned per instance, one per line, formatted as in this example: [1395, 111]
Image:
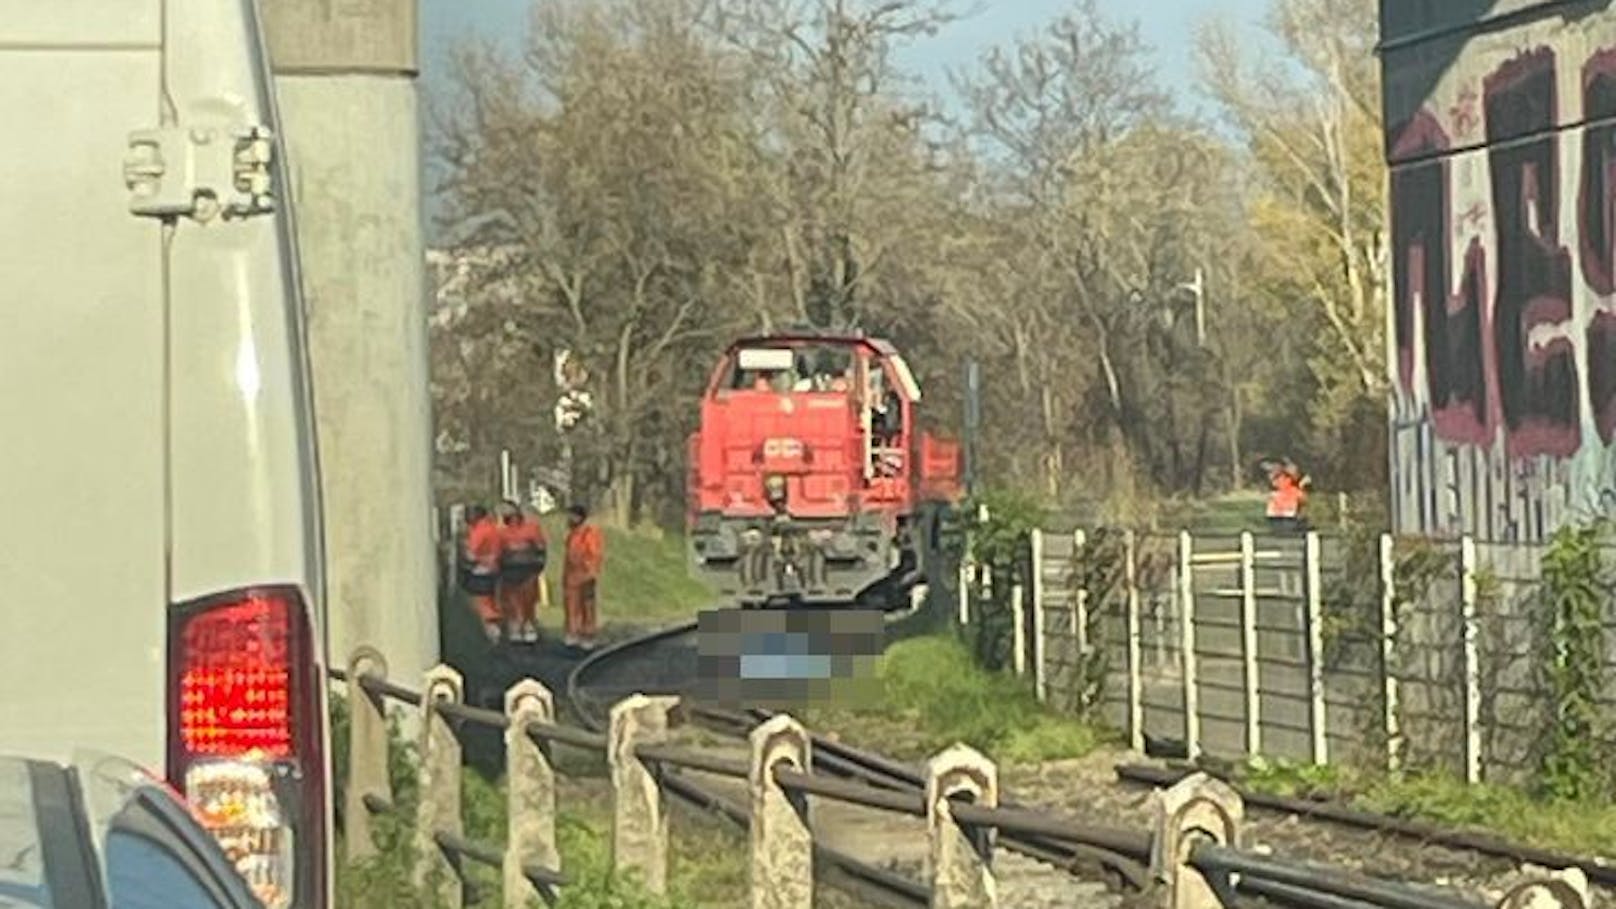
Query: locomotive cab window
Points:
[794, 369]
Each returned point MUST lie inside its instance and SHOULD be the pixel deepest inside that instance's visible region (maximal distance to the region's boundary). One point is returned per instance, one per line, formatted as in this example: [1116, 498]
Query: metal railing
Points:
[1192, 857]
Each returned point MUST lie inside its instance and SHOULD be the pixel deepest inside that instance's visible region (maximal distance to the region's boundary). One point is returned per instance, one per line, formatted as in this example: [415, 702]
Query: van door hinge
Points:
[200, 172]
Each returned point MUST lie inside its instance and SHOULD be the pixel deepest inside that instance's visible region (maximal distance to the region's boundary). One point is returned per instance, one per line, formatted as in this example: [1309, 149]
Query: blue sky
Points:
[1168, 25]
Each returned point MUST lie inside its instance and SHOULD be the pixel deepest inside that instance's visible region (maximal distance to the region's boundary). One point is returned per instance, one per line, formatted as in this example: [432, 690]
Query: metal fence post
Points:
[966, 577]
[1248, 642]
[1195, 809]
[1035, 542]
[1544, 889]
[439, 808]
[1136, 682]
[639, 818]
[1388, 655]
[1018, 615]
[960, 859]
[1315, 650]
[367, 752]
[782, 867]
[1472, 668]
[530, 793]
[1186, 643]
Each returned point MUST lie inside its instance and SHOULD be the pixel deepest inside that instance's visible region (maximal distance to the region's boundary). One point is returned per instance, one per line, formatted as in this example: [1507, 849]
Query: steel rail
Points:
[1220, 861]
[884, 884]
[1597, 869]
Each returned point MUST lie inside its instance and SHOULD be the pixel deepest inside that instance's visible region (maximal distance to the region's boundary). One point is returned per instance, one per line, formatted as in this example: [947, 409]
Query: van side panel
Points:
[81, 386]
[243, 486]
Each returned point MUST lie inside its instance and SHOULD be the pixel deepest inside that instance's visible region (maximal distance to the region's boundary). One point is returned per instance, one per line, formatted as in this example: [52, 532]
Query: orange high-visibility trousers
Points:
[580, 604]
[518, 602]
[487, 609]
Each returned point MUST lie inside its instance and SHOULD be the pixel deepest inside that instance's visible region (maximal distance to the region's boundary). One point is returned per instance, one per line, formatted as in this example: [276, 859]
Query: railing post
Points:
[1136, 679]
[1186, 643]
[439, 808]
[639, 819]
[1315, 650]
[1388, 653]
[1196, 809]
[782, 866]
[1035, 542]
[960, 859]
[1248, 642]
[1544, 889]
[530, 793]
[1472, 669]
[367, 752]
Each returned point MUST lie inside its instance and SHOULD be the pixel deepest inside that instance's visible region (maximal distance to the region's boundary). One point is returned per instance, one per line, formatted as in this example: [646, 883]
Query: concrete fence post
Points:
[439, 808]
[1544, 889]
[1136, 676]
[367, 753]
[1186, 643]
[782, 866]
[1035, 586]
[639, 816]
[1080, 618]
[1468, 596]
[530, 793]
[1317, 721]
[1018, 615]
[1195, 810]
[960, 860]
[1248, 642]
[1388, 654]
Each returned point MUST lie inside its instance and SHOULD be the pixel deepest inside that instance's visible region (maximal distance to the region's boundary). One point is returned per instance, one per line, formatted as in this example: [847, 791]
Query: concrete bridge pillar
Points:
[345, 75]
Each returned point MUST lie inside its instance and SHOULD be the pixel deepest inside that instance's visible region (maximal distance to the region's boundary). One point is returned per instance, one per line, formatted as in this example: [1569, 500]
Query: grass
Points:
[1579, 827]
[646, 579]
[934, 695]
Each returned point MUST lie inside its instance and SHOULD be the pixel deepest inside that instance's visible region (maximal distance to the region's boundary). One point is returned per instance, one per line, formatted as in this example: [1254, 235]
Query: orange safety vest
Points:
[586, 553]
[1286, 499]
[484, 544]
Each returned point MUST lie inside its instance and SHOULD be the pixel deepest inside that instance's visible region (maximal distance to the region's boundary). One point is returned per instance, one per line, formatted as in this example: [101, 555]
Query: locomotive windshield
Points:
[803, 367]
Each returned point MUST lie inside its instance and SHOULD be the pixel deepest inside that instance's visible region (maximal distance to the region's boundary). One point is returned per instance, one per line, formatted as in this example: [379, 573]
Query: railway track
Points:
[665, 662]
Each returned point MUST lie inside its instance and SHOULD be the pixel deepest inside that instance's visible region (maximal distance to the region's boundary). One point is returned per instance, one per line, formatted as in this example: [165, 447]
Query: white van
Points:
[160, 563]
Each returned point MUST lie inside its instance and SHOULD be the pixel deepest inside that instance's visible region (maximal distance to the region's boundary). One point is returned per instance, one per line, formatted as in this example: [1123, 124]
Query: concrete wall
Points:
[1501, 131]
[345, 77]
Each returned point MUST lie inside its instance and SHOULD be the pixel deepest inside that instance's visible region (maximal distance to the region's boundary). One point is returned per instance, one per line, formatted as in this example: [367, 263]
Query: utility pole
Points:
[973, 422]
[1198, 288]
[345, 85]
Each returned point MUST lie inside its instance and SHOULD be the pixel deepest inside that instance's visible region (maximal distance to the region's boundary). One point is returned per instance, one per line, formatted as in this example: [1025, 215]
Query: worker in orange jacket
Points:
[580, 576]
[521, 564]
[1287, 496]
[480, 576]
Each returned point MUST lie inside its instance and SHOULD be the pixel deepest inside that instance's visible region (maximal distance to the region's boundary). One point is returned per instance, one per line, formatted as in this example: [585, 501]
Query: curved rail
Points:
[604, 656]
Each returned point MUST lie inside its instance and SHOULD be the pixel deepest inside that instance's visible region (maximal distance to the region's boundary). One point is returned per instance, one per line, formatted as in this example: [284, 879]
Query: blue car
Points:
[100, 833]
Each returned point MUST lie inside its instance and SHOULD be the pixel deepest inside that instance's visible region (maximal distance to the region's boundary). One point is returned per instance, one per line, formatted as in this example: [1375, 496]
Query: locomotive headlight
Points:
[774, 488]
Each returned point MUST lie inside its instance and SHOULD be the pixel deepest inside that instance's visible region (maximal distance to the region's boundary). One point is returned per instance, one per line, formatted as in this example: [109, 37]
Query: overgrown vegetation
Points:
[1576, 587]
[934, 694]
[1578, 827]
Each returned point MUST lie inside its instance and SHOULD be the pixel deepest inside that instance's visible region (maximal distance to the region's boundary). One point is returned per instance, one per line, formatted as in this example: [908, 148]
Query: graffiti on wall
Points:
[1504, 272]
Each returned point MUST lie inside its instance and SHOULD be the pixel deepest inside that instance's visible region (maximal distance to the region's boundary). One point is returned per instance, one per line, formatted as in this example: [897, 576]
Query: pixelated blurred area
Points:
[783, 658]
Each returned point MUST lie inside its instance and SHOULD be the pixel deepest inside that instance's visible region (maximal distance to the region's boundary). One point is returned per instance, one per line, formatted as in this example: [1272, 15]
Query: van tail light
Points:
[246, 736]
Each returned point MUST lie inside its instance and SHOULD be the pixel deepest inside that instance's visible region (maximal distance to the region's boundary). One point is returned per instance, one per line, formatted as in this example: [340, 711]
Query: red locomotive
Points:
[811, 482]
